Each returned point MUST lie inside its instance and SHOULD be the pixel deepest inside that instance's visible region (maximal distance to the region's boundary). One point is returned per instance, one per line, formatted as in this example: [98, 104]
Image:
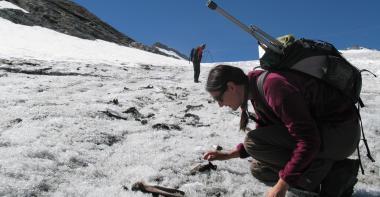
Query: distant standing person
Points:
[196, 58]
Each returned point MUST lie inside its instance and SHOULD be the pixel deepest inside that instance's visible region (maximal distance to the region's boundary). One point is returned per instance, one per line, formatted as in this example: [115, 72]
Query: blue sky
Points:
[183, 24]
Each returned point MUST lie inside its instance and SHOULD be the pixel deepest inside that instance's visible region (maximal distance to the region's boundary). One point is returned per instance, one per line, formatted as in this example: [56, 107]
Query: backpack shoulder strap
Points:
[260, 84]
[262, 101]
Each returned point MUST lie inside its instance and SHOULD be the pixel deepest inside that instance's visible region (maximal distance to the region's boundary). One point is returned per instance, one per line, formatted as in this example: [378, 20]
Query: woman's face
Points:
[231, 97]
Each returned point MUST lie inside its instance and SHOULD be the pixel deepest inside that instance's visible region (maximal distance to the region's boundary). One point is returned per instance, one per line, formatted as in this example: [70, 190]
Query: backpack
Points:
[196, 54]
[317, 59]
[192, 54]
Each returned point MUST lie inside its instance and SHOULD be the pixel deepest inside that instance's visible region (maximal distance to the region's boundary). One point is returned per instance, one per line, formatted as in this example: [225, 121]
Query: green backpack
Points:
[318, 59]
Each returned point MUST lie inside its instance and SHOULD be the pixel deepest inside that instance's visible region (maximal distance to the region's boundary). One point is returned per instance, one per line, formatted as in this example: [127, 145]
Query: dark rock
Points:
[171, 96]
[13, 122]
[189, 115]
[16, 121]
[146, 66]
[192, 120]
[42, 155]
[164, 126]
[193, 107]
[114, 114]
[144, 122]
[76, 163]
[4, 144]
[207, 167]
[218, 148]
[161, 126]
[159, 179]
[125, 188]
[115, 101]
[107, 139]
[175, 127]
[202, 168]
[134, 112]
[3, 75]
[150, 115]
[43, 187]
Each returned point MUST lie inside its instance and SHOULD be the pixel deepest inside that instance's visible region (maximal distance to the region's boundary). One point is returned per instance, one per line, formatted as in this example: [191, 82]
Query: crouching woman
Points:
[305, 130]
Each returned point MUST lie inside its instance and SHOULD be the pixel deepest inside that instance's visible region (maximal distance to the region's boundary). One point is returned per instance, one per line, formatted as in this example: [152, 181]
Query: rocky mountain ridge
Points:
[165, 47]
[70, 18]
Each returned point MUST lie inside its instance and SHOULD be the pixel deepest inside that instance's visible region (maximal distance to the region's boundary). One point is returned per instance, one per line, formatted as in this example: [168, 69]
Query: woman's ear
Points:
[231, 85]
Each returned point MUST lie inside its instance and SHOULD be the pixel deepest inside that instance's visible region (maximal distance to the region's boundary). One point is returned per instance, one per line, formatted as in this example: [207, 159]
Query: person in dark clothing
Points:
[301, 145]
[196, 58]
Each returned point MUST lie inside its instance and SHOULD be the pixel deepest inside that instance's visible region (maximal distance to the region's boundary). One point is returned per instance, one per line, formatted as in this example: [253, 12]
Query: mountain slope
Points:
[69, 18]
[90, 118]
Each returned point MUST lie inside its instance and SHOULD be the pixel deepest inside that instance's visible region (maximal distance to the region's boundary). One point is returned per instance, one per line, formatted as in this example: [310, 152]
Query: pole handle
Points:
[212, 5]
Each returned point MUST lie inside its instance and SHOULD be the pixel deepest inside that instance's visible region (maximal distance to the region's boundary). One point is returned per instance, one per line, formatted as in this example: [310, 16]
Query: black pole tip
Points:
[212, 5]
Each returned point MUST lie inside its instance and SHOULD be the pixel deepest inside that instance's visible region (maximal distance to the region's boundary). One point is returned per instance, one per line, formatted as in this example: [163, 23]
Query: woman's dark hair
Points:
[217, 80]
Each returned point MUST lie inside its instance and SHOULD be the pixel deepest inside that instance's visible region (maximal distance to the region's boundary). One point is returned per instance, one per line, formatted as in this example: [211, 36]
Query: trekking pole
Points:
[256, 32]
[209, 54]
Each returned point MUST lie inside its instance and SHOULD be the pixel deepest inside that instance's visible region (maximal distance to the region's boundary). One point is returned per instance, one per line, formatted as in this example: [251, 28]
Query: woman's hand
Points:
[278, 190]
[219, 155]
[216, 155]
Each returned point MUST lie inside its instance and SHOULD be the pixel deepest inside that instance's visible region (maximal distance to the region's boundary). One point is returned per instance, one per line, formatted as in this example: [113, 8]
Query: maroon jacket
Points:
[301, 103]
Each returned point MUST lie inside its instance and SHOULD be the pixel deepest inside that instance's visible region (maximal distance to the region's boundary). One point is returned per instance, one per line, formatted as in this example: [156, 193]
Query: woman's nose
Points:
[220, 104]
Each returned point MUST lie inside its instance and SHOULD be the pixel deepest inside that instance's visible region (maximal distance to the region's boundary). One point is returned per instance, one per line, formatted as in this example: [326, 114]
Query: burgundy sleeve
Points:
[289, 105]
[242, 152]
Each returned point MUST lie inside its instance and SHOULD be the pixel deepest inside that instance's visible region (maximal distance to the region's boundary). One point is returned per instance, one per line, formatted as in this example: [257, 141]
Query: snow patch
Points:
[172, 53]
[9, 5]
